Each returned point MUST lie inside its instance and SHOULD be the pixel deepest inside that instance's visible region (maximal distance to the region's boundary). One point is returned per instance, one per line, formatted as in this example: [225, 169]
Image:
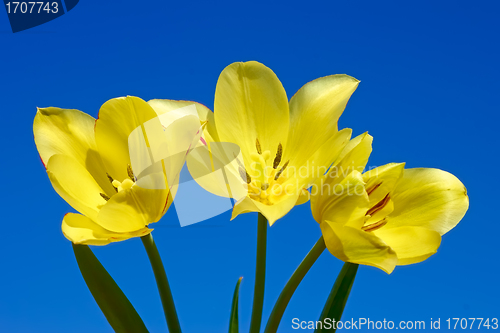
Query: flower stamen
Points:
[381, 204]
[373, 188]
[111, 181]
[277, 159]
[278, 174]
[130, 173]
[374, 226]
[244, 175]
[257, 145]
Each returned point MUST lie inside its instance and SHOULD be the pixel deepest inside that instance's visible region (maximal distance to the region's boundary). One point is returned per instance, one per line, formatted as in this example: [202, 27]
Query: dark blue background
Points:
[35, 13]
[428, 94]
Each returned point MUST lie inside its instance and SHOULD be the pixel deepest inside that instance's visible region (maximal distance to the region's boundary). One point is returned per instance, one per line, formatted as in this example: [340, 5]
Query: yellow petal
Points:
[70, 133]
[80, 229]
[411, 244]
[343, 203]
[118, 117]
[216, 168]
[250, 104]
[353, 245]
[314, 112]
[180, 137]
[162, 106]
[429, 198]
[75, 185]
[318, 162]
[271, 212]
[162, 143]
[354, 156]
[303, 197]
[382, 180]
[133, 209]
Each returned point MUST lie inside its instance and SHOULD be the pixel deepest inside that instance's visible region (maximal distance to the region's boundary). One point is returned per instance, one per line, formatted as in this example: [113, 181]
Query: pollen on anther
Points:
[111, 181]
[257, 145]
[278, 174]
[373, 188]
[277, 159]
[244, 175]
[130, 173]
[379, 206]
[374, 226]
[104, 196]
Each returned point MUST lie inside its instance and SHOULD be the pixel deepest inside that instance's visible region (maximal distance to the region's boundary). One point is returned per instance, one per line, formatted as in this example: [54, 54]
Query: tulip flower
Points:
[389, 215]
[282, 147]
[384, 217]
[285, 146]
[103, 169]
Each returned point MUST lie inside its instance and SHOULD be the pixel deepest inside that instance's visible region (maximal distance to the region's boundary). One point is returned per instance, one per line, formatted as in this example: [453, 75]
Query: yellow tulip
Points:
[285, 146]
[96, 166]
[387, 216]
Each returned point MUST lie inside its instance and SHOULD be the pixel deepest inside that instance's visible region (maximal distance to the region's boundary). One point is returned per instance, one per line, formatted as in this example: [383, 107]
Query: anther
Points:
[244, 175]
[257, 144]
[374, 226]
[238, 161]
[104, 196]
[264, 186]
[373, 188]
[130, 173]
[278, 174]
[381, 204]
[111, 181]
[277, 159]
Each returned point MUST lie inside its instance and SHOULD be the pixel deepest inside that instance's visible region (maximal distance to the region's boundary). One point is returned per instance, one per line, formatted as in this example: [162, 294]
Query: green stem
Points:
[292, 284]
[260, 275]
[162, 283]
[335, 304]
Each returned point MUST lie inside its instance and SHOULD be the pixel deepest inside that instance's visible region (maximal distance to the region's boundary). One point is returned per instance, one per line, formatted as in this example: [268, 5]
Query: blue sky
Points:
[428, 94]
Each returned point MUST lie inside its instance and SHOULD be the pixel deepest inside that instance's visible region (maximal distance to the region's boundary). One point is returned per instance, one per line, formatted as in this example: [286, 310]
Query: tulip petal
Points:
[318, 162]
[216, 168]
[345, 202]
[250, 104]
[79, 229]
[70, 133]
[75, 185]
[354, 156]
[314, 112]
[356, 246]
[133, 209]
[271, 212]
[162, 106]
[411, 244]
[429, 198]
[303, 197]
[117, 119]
[181, 137]
[382, 180]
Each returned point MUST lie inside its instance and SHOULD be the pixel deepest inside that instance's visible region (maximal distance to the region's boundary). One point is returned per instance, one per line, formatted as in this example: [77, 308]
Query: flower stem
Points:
[335, 304]
[292, 284]
[260, 275]
[162, 283]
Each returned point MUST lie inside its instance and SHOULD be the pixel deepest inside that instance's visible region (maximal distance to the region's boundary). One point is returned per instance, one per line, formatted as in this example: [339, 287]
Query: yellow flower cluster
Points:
[289, 151]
